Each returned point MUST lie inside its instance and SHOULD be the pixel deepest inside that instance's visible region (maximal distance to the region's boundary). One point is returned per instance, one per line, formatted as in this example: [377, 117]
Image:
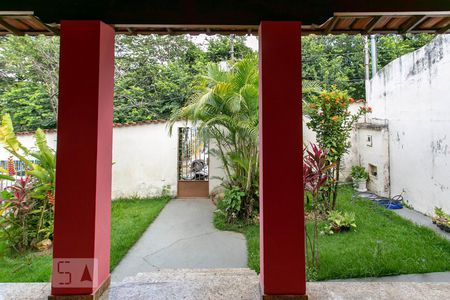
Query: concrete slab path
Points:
[183, 236]
[421, 219]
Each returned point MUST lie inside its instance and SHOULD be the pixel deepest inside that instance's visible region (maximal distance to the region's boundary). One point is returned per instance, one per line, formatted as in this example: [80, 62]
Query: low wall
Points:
[144, 159]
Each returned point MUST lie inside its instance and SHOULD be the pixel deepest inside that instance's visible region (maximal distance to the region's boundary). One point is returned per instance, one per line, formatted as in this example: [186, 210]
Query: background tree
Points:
[339, 60]
[32, 59]
[155, 75]
[219, 48]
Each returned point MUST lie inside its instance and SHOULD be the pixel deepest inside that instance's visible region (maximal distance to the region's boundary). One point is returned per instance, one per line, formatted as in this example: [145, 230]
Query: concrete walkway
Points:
[183, 236]
[421, 219]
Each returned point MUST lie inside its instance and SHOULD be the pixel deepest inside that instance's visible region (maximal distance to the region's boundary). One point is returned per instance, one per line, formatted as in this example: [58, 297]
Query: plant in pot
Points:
[441, 219]
[340, 222]
[359, 177]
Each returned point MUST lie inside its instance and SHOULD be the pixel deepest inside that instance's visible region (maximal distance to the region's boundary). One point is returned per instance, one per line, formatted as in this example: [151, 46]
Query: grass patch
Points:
[129, 219]
[383, 244]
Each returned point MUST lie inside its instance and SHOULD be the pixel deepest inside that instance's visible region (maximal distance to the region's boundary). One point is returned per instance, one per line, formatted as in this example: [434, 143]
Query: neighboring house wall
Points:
[412, 96]
[145, 159]
[373, 154]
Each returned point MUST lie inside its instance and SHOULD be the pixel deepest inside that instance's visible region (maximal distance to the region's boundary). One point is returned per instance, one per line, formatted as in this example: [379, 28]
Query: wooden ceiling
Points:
[21, 23]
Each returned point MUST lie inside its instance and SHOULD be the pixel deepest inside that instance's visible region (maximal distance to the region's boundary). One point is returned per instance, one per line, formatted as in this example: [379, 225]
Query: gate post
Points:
[282, 233]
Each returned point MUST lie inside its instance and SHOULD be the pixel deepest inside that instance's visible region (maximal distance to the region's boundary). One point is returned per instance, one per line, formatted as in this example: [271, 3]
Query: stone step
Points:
[190, 274]
[192, 284]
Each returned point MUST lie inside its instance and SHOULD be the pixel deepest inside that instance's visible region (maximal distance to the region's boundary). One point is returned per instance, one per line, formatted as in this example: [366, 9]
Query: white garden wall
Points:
[144, 156]
[412, 95]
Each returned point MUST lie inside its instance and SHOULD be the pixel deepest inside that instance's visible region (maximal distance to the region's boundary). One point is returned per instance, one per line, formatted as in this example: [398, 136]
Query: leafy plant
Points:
[332, 121]
[359, 173]
[232, 201]
[27, 206]
[315, 168]
[226, 112]
[339, 222]
[441, 219]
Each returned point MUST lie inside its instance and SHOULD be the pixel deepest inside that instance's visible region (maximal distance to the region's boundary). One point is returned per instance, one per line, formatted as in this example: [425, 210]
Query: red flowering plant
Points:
[315, 174]
[331, 119]
[26, 206]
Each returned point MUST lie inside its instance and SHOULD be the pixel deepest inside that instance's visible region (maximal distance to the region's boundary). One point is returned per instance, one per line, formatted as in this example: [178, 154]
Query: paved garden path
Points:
[183, 236]
[421, 219]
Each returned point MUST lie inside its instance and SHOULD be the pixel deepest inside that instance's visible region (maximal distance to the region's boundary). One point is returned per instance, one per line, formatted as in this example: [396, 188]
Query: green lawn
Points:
[130, 218]
[383, 244]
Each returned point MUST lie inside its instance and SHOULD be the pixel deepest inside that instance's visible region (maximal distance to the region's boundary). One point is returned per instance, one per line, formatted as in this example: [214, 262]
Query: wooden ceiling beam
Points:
[372, 24]
[332, 25]
[10, 28]
[444, 29]
[51, 29]
[415, 21]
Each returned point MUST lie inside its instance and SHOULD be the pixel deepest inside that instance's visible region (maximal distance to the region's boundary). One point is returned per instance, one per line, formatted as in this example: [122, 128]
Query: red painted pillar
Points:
[84, 159]
[281, 190]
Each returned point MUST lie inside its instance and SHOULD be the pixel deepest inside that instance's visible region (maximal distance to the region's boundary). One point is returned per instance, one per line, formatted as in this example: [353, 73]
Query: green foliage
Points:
[339, 60]
[315, 169]
[130, 217]
[226, 111]
[331, 119]
[232, 202]
[26, 207]
[28, 105]
[390, 47]
[155, 75]
[384, 244]
[441, 219]
[359, 173]
[30, 77]
[339, 222]
[219, 48]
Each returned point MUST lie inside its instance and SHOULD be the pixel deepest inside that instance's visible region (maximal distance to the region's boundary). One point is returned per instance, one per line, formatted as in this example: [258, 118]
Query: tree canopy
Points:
[329, 60]
[156, 75]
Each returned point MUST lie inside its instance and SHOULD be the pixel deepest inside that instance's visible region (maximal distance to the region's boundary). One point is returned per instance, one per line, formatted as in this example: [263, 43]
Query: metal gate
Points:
[193, 164]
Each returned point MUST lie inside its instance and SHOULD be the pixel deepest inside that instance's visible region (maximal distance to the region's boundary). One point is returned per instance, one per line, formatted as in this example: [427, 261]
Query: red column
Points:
[84, 159]
[281, 190]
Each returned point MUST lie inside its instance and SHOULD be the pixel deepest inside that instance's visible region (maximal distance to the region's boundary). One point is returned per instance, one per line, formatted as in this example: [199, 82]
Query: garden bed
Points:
[129, 219]
[383, 244]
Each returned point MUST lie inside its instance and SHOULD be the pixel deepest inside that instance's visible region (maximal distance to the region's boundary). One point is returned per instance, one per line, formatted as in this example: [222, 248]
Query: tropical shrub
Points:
[359, 173]
[315, 174]
[226, 112]
[26, 207]
[339, 222]
[232, 201]
[332, 121]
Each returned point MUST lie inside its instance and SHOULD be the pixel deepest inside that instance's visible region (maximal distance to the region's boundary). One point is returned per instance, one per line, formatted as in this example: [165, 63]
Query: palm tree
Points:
[226, 112]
